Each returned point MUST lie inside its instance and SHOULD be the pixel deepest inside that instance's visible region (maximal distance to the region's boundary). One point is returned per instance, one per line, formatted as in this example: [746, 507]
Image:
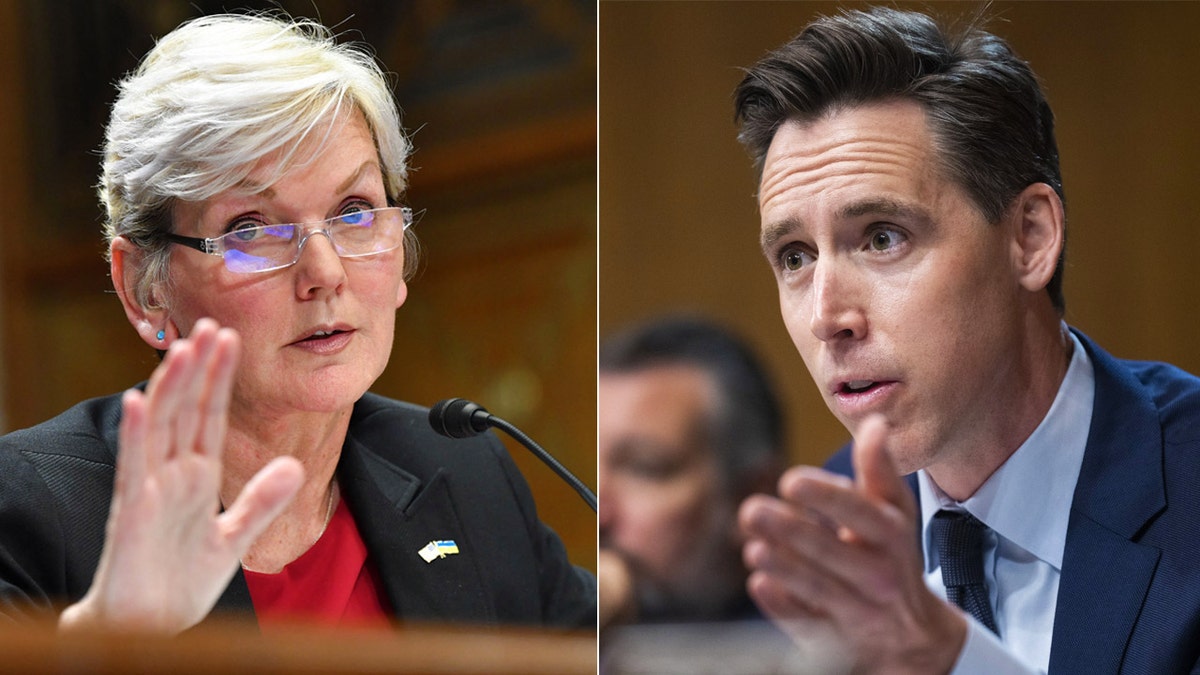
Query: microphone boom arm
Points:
[523, 439]
[460, 418]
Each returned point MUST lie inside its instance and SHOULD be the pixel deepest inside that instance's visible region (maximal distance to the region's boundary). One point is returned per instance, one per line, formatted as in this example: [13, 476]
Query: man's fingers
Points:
[262, 499]
[874, 471]
[801, 580]
[827, 541]
[819, 649]
[842, 506]
[809, 557]
[793, 615]
[816, 565]
[776, 600]
[775, 519]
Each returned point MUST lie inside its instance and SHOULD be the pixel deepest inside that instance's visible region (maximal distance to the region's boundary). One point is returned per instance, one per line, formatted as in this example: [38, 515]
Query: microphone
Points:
[460, 418]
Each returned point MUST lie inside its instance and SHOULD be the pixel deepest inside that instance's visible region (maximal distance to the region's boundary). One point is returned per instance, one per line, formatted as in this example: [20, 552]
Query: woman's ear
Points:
[401, 293]
[150, 321]
[1039, 237]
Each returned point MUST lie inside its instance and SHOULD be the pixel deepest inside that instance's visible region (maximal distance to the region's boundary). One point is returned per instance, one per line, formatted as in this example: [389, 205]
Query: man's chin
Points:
[907, 455]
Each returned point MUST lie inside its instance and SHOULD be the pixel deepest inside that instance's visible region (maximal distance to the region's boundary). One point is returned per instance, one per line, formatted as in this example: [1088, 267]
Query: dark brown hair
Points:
[992, 126]
[747, 428]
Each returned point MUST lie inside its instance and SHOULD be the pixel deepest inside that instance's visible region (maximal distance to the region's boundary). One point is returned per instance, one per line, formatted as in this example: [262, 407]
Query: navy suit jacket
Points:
[1129, 596]
[405, 485]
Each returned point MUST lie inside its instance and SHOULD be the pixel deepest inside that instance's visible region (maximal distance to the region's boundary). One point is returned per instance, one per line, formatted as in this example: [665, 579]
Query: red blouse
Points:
[333, 583]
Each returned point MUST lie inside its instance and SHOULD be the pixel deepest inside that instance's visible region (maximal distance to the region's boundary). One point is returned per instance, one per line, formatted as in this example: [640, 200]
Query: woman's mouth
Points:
[325, 341]
[322, 334]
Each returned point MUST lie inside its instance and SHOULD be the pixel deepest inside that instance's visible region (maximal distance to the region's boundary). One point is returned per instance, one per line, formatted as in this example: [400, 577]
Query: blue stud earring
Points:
[162, 334]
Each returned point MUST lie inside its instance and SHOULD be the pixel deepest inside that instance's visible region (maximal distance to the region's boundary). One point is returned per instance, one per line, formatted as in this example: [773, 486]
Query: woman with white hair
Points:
[252, 178]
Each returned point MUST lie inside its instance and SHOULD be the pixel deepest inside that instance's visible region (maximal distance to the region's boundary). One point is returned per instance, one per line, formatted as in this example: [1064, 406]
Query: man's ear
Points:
[150, 321]
[1040, 231]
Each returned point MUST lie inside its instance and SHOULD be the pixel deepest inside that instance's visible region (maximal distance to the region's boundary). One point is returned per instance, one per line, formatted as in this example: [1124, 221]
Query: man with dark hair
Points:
[912, 212]
[688, 427]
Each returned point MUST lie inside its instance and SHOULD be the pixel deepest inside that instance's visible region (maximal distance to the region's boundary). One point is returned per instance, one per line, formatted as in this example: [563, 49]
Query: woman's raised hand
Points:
[169, 552]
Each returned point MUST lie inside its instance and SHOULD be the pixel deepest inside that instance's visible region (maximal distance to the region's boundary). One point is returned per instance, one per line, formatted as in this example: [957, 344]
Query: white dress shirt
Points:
[1026, 504]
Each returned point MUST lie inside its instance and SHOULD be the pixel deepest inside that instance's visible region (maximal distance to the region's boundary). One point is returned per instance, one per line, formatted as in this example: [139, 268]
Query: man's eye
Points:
[794, 259]
[654, 469]
[883, 240]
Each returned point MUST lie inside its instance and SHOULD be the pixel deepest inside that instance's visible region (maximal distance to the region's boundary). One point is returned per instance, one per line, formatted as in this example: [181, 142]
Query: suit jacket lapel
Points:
[398, 515]
[235, 601]
[1106, 574]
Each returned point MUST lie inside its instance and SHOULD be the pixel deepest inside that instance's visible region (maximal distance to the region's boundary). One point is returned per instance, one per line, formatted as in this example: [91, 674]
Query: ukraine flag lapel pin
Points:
[438, 549]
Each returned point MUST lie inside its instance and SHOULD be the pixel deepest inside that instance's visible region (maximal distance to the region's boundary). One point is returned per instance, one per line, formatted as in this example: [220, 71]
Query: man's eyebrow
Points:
[771, 234]
[883, 206]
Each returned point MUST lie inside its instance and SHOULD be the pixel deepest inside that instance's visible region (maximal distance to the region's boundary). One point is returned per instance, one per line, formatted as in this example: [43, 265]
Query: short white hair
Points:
[215, 96]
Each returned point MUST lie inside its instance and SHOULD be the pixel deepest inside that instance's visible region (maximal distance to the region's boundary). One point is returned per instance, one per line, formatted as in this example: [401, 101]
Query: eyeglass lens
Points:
[361, 233]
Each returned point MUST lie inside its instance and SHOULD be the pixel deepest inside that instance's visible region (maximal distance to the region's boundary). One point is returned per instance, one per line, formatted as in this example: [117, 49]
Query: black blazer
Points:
[405, 485]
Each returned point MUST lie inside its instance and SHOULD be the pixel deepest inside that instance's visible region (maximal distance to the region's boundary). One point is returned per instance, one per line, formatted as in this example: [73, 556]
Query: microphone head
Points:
[458, 418]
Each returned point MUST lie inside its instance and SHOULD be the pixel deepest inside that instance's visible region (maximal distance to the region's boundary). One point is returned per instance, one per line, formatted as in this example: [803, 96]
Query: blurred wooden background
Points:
[678, 219]
[500, 100]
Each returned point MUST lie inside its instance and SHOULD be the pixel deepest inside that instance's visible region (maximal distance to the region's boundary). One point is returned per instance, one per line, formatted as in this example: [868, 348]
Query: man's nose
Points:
[836, 302]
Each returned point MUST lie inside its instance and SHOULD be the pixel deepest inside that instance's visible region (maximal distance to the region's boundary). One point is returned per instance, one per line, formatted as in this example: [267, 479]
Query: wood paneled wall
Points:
[679, 225]
[500, 99]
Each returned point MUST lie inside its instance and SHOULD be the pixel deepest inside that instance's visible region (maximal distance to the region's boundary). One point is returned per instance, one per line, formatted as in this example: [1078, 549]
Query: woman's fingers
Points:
[168, 554]
[187, 398]
[131, 455]
[187, 417]
[262, 499]
[214, 408]
[163, 398]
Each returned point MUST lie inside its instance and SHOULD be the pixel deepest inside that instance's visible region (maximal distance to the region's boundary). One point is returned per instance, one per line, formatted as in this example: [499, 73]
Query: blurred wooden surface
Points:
[234, 648]
[678, 218]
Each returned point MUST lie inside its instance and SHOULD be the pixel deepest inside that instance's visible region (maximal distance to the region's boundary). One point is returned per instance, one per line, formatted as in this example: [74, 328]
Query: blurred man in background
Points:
[688, 426]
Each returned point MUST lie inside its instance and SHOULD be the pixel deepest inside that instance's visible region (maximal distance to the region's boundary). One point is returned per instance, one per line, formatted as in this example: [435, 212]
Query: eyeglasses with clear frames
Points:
[271, 247]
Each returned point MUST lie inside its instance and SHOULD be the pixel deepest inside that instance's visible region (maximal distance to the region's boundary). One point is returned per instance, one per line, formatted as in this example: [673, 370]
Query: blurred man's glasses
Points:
[271, 247]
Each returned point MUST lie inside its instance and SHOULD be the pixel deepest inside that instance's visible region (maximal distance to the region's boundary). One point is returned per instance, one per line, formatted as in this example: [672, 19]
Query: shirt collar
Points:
[1028, 499]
